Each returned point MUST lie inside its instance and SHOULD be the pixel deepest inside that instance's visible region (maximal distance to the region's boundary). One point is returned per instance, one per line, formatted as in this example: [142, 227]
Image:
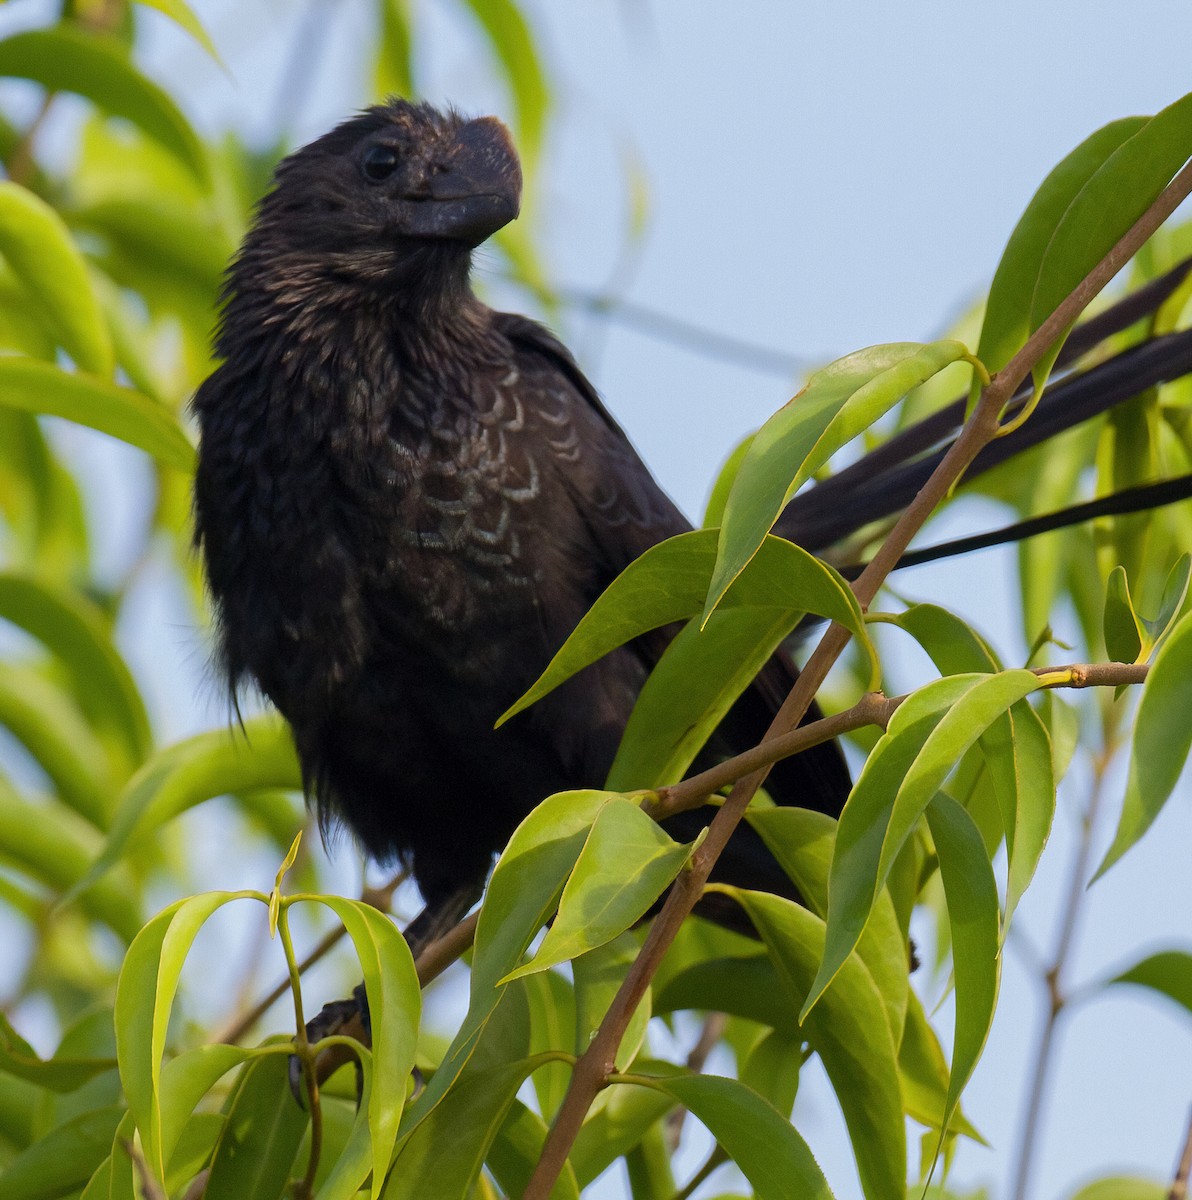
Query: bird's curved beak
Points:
[473, 188]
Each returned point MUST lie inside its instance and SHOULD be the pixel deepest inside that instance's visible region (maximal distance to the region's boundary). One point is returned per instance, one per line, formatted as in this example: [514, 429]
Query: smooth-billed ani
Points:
[406, 501]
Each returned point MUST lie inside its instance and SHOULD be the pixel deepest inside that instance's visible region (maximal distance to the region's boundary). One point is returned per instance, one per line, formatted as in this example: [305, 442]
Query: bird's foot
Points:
[347, 1017]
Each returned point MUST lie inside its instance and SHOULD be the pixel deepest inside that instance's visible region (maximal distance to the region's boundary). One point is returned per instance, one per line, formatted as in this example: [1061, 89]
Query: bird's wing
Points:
[626, 513]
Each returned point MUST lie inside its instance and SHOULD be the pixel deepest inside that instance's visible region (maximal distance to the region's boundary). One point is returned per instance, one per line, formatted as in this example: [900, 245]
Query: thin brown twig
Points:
[871, 709]
[592, 1069]
[1179, 1185]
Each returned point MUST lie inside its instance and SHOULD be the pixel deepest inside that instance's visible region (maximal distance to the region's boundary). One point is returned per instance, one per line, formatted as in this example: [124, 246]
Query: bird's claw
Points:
[349, 1017]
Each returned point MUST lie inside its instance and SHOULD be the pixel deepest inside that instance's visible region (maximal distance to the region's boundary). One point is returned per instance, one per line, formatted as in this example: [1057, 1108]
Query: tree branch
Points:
[592, 1069]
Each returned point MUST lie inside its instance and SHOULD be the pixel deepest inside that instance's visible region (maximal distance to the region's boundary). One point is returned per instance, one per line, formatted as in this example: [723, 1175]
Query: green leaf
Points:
[444, 1154]
[255, 1152]
[67, 59]
[1162, 740]
[1007, 322]
[182, 15]
[551, 1000]
[260, 754]
[185, 1080]
[47, 722]
[925, 1076]
[974, 919]
[1017, 750]
[144, 997]
[744, 985]
[516, 1149]
[1124, 635]
[772, 1069]
[926, 737]
[64, 1160]
[55, 846]
[74, 630]
[668, 584]
[849, 1031]
[954, 646]
[512, 42]
[58, 1074]
[598, 977]
[522, 894]
[763, 1144]
[1168, 972]
[627, 862]
[803, 842]
[1115, 195]
[1175, 592]
[838, 402]
[120, 412]
[44, 257]
[395, 1005]
[699, 677]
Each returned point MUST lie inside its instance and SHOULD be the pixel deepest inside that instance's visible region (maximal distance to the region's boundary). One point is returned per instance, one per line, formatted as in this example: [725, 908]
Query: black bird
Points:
[406, 501]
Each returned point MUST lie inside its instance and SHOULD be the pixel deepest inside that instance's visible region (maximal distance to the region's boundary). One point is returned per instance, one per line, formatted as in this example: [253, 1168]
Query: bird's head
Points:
[388, 197]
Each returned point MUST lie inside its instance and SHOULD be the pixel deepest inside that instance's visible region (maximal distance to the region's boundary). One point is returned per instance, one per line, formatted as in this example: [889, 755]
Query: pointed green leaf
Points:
[516, 1149]
[668, 584]
[803, 842]
[67, 59]
[974, 919]
[75, 631]
[1168, 972]
[119, 412]
[598, 977]
[1007, 322]
[1017, 752]
[626, 863]
[954, 646]
[1115, 195]
[849, 1033]
[764, 1145]
[185, 1080]
[925, 1076]
[699, 677]
[927, 736]
[64, 1160]
[256, 1150]
[144, 997]
[395, 1006]
[1124, 635]
[58, 1074]
[1175, 592]
[1162, 741]
[838, 402]
[42, 254]
[444, 1154]
[522, 894]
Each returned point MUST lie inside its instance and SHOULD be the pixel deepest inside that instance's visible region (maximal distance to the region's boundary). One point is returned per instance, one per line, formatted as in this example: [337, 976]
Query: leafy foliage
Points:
[109, 270]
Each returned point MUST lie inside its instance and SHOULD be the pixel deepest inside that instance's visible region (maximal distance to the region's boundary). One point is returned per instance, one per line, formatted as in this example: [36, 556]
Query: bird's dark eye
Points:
[379, 162]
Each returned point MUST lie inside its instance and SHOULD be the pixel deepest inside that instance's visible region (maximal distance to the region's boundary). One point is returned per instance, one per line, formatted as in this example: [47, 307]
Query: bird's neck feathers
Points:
[295, 313]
